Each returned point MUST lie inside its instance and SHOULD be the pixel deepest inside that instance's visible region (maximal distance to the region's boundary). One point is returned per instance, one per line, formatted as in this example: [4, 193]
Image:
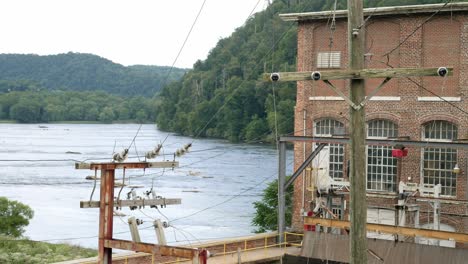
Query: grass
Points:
[6, 121]
[26, 251]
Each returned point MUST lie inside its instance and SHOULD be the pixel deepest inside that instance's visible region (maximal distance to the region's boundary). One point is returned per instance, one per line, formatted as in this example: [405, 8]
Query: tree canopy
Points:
[32, 104]
[266, 210]
[14, 216]
[85, 72]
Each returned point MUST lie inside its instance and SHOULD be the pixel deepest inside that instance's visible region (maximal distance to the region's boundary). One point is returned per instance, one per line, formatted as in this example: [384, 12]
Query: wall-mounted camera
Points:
[442, 71]
[316, 76]
[275, 77]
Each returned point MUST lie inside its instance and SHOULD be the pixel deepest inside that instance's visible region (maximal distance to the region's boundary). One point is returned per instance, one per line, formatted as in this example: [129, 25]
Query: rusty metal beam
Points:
[106, 217]
[127, 203]
[125, 165]
[181, 252]
[406, 231]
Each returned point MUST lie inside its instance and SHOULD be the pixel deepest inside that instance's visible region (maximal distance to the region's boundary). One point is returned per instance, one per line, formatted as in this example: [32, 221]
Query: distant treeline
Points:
[86, 72]
[223, 97]
[30, 104]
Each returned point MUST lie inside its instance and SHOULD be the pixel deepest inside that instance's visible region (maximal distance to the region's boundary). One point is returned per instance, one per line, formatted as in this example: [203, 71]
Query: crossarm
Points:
[358, 74]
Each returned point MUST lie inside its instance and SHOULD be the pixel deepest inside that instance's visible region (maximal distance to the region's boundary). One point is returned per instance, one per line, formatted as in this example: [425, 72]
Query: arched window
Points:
[381, 166]
[438, 163]
[333, 154]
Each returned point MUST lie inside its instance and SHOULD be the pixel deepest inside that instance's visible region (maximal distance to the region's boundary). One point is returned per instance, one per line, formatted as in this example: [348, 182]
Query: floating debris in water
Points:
[72, 152]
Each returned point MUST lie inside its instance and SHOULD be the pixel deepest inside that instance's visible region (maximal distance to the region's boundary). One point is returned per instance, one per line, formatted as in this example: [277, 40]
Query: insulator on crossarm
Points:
[187, 147]
[153, 153]
[183, 150]
[120, 156]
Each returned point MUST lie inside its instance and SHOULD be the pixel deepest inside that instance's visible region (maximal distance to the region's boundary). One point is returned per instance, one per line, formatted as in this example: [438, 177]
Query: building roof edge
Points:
[380, 11]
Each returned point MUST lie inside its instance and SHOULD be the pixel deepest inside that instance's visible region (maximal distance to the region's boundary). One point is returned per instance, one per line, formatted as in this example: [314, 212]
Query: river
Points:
[217, 181]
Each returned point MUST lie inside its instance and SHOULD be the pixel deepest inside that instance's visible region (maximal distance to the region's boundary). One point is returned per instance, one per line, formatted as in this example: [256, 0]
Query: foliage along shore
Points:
[36, 105]
[22, 250]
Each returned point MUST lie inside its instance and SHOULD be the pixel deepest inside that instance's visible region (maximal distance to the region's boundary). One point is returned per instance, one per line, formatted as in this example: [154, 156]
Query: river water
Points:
[217, 181]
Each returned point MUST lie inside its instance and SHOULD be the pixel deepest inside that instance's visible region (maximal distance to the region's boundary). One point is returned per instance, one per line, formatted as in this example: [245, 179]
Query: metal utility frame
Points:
[106, 212]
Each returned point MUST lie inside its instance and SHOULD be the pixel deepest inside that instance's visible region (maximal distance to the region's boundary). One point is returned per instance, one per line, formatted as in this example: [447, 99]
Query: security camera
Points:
[442, 71]
[316, 76]
[275, 77]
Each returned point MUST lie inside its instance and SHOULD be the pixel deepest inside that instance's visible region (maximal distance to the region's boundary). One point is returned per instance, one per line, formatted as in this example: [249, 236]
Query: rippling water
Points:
[36, 169]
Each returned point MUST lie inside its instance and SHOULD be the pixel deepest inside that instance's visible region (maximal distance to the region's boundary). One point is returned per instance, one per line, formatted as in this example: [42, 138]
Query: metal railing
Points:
[289, 238]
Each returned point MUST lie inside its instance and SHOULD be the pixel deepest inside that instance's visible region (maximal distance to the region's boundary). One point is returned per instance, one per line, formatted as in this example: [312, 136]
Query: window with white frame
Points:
[329, 59]
[335, 154]
[381, 166]
[438, 163]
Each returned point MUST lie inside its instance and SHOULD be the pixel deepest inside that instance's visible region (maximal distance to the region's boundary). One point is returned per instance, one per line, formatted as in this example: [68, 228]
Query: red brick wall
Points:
[441, 42]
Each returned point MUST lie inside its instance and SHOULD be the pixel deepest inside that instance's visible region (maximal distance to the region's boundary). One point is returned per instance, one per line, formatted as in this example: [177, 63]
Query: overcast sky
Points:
[128, 32]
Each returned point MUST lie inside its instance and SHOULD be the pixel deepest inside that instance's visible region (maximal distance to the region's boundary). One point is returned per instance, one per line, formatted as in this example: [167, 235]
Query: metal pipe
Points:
[281, 192]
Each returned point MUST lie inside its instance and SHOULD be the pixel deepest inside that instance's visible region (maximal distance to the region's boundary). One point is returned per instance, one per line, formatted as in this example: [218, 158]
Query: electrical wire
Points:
[438, 96]
[259, 63]
[136, 134]
[416, 29]
[183, 44]
[227, 200]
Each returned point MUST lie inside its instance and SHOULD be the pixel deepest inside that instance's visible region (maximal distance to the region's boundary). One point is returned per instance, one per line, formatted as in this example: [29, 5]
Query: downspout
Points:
[304, 133]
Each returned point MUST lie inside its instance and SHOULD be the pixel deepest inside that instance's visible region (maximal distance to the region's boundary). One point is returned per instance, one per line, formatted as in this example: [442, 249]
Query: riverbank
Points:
[8, 121]
[28, 251]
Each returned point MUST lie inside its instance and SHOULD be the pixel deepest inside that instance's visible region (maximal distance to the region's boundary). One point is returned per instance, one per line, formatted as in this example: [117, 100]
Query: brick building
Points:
[420, 109]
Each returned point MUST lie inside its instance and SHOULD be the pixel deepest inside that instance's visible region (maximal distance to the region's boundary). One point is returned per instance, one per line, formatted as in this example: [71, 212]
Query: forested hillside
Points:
[223, 97]
[85, 72]
[26, 102]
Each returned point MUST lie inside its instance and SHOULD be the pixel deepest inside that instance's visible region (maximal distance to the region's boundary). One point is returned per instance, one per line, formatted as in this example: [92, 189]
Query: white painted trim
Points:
[326, 98]
[437, 99]
[385, 98]
[339, 98]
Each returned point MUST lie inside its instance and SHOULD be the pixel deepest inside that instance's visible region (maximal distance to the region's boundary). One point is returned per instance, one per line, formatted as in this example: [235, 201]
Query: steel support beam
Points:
[281, 192]
[180, 252]
[385, 142]
[389, 229]
[304, 165]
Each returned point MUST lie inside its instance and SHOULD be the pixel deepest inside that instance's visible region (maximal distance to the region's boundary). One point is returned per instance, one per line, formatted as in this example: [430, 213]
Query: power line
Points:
[416, 29]
[183, 44]
[438, 96]
[227, 200]
[269, 52]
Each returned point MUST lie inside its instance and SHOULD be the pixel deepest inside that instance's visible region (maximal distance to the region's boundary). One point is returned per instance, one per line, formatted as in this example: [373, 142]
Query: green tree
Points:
[107, 115]
[141, 116]
[14, 216]
[256, 129]
[26, 112]
[2, 113]
[266, 210]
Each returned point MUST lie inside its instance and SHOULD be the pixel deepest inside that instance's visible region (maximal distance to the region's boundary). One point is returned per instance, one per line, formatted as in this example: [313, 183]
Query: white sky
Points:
[128, 32]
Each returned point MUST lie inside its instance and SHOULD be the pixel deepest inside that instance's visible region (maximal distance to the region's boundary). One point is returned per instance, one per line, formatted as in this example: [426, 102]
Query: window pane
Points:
[438, 163]
[326, 128]
[381, 166]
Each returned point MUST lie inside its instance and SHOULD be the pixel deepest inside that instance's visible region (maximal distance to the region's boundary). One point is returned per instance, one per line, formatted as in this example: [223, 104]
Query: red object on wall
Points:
[309, 227]
[399, 153]
[203, 256]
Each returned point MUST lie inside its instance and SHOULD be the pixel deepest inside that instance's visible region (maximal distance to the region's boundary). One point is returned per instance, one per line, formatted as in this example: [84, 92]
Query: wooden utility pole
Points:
[357, 174]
